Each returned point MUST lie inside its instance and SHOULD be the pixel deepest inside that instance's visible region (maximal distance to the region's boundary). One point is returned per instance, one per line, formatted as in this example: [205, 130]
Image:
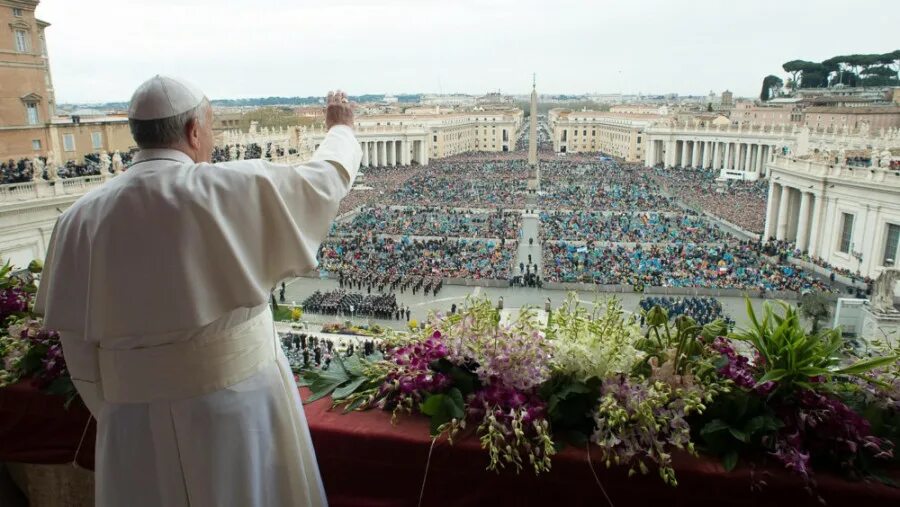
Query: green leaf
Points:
[348, 389]
[61, 386]
[867, 364]
[739, 435]
[443, 408]
[353, 365]
[432, 403]
[714, 426]
[761, 422]
[327, 381]
[730, 460]
[773, 376]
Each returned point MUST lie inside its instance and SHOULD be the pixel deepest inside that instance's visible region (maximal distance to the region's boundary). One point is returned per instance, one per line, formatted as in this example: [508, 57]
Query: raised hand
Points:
[338, 110]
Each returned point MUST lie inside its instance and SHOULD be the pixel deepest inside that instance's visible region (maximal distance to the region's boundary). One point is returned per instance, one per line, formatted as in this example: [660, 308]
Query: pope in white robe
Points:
[158, 283]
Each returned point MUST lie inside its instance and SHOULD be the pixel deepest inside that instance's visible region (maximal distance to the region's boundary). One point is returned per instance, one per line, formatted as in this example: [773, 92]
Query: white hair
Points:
[167, 132]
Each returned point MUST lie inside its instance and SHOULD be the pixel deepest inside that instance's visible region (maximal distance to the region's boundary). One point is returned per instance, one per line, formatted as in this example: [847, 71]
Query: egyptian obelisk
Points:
[533, 169]
[532, 135]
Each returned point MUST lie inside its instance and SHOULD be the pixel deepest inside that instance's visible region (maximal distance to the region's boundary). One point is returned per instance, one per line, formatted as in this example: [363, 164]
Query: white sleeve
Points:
[82, 363]
[341, 148]
[299, 204]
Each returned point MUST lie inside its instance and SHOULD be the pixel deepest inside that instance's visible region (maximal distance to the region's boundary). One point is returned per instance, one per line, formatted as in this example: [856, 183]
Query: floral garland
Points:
[590, 375]
[27, 349]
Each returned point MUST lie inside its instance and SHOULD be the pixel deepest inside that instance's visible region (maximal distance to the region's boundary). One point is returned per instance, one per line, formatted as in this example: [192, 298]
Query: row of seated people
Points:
[702, 309]
[388, 282]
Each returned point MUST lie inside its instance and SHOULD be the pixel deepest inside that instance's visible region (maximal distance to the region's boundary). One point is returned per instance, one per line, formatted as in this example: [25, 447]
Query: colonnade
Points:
[794, 214]
[747, 156]
[389, 153]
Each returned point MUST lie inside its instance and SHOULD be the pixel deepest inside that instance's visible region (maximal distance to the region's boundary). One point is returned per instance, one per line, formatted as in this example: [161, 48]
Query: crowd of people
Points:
[742, 203]
[702, 309]
[305, 351]
[375, 183]
[442, 258]
[340, 302]
[459, 183]
[23, 170]
[785, 250]
[629, 227]
[432, 221]
[599, 185]
[735, 265]
[354, 277]
[16, 171]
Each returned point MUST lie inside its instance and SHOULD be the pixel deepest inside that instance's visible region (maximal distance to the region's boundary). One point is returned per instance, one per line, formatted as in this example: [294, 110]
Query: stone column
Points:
[726, 157]
[772, 210]
[747, 166]
[391, 153]
[373, 154]
[760, 150]
[815, 222]
[803, 222]
[684, 159]
[715, 155]
[365, 153]
[696, 153]
[783, 203]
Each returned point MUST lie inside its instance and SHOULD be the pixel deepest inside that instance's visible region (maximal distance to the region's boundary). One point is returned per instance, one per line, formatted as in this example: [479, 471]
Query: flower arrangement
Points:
[592, 376]
[27, 349]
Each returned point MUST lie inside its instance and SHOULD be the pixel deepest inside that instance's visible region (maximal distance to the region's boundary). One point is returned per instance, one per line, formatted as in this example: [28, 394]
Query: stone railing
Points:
[822, 169]
[41, 189]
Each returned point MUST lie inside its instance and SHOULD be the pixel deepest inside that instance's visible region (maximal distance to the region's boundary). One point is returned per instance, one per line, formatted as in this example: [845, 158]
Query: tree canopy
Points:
[770, 87]
[872, 69]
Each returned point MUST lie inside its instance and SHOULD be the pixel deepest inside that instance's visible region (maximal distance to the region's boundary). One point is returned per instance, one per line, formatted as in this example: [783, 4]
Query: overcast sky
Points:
[101, 50]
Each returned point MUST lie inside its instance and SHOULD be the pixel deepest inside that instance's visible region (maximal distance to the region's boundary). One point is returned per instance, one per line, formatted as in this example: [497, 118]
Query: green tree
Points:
[795, 69]
[879, 75]
[770, 86]
[815, 307]
[709, 107]
[891, 60]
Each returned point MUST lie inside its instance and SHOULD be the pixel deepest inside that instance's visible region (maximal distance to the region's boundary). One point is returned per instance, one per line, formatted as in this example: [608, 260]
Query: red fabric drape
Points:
[367, 461]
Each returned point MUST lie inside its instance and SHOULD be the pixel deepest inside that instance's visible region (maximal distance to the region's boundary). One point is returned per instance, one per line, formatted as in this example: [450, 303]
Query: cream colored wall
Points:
[584, 137]
[116, 136]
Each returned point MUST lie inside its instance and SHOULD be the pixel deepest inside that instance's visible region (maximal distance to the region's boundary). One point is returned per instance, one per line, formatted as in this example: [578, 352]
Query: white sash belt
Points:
[191, 368]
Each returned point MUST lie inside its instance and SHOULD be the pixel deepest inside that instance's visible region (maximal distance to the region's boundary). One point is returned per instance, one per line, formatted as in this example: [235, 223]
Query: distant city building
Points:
[615, 134]
[28, 99]
[727, 98]
[877, 118]
[654, 109]
[494, 98]
[448, 100]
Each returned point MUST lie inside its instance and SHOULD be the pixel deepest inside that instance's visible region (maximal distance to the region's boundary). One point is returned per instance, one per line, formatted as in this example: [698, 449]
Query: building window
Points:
[36, 145]
[846, 232]
[892, 241]
[32, 115]
[97, 140]
[68, 142]
[17, 12]
[21, 41]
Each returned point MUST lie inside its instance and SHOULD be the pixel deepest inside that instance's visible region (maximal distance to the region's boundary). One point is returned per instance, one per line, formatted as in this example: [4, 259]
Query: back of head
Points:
[161, 109]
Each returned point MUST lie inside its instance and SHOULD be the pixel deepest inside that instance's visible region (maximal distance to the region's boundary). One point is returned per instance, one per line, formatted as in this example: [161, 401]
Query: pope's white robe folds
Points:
[158, 283]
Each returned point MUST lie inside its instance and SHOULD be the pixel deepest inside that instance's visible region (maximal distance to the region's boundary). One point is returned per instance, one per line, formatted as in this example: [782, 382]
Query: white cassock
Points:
[158, 283]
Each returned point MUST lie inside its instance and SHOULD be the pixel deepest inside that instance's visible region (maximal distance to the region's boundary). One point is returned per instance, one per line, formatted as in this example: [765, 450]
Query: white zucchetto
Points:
[163, 97]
